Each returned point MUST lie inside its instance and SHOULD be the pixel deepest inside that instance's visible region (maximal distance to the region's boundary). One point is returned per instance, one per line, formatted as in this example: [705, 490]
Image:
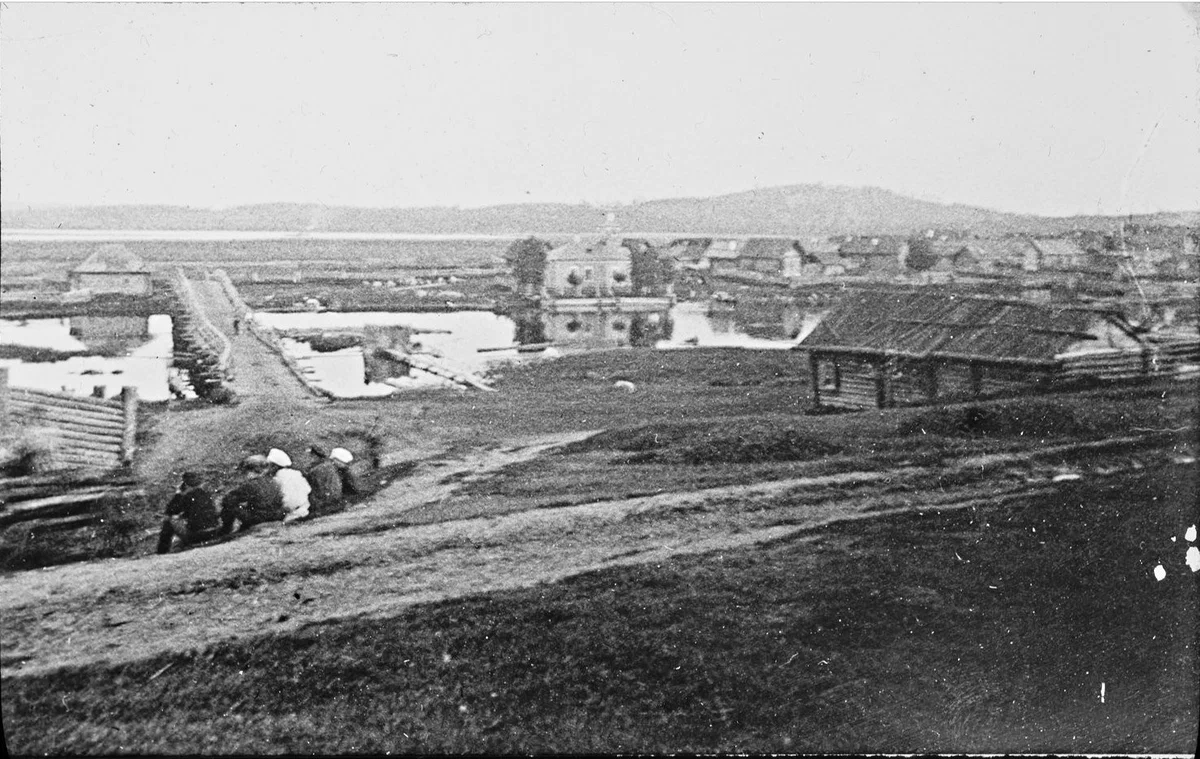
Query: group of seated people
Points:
[271, 491]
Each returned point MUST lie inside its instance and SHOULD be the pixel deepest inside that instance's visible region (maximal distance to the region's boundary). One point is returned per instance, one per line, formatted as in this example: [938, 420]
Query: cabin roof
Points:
[1054, 247]
[603, 249]
[1008, 249]
[768, 247]
[939, 324]
[111, 259]
[724, 249]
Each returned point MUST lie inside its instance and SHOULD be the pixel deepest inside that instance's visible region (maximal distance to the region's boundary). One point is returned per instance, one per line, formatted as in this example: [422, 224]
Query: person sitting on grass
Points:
[292, 483]
[326, 482]
[256, 500]
[350, 482]
[191, 515]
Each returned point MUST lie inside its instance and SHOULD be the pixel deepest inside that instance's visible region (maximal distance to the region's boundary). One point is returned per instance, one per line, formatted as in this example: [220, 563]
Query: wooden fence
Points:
[82, 433]
[1155, 358]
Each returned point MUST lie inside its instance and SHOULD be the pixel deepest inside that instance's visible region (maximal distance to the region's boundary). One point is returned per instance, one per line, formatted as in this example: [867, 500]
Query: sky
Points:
[1043, 108]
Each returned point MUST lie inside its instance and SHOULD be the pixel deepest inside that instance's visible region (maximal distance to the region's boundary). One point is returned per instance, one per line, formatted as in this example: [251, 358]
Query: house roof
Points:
[111, 259]
[924, 324]
[690, 249]
[1056, 248]
[768, 247]
[1008, 250]
[724, 249]
[604, 249]
[882, 245]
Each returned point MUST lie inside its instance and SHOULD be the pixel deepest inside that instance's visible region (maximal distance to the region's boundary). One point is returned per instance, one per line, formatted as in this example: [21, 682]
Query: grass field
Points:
[1031, 625]
[984, 630]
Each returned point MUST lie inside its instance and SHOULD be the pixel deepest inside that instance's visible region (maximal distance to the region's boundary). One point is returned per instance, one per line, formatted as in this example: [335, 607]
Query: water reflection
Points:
[329, 347]
[587, 326]
[137, 350]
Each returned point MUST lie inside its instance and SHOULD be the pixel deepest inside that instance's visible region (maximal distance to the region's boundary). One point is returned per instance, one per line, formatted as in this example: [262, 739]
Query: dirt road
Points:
[368, 562]
[265, 388]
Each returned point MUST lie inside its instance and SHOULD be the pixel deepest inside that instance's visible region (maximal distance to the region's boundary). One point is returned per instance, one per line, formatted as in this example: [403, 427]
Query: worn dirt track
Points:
[366, 562]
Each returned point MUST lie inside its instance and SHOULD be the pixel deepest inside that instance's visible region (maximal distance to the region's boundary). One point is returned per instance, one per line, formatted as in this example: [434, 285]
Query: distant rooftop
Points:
[111, 259]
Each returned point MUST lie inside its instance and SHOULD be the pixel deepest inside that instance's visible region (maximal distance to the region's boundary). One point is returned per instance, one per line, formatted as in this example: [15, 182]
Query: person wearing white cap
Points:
[293, 484]
[350, 483]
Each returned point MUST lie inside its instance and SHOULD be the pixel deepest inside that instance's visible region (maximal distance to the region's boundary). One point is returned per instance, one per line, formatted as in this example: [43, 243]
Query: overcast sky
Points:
[1043, 108]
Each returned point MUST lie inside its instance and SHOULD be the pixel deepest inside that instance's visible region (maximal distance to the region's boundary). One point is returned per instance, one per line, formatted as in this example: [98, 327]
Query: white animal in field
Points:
[625, 385]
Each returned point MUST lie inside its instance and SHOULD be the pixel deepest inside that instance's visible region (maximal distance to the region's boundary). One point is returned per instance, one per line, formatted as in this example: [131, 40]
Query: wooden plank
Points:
[66, 399]
[84, 422]
[19, 404]
[76, 442]
[63, 524]
[87, 435]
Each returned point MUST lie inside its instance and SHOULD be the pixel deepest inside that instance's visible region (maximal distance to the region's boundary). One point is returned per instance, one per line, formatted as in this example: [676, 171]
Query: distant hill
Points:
[791, 210]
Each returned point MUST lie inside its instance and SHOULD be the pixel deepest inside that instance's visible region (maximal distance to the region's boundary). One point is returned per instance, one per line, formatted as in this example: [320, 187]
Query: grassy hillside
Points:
[1035, 627]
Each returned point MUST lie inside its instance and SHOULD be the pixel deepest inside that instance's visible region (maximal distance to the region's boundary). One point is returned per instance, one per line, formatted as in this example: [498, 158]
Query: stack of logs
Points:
[200, 348]
[50, 503]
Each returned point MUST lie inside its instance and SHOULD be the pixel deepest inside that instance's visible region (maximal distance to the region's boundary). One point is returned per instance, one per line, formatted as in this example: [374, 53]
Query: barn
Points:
[112, 269]
[882, 349]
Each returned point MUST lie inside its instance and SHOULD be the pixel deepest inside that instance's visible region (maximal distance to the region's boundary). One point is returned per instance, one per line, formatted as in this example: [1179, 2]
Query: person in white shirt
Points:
[293, 484]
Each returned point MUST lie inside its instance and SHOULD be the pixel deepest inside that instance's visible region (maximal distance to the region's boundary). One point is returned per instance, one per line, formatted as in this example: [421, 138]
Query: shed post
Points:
[129, 404]
[879, 369]
[929, 374]
[975, 372]
[814, 374]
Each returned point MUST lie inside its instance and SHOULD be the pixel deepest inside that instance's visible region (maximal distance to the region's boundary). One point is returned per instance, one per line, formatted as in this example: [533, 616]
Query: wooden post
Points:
[976, 376]
[879, 370]
[930, 375]
[814, 366]
[129, 404]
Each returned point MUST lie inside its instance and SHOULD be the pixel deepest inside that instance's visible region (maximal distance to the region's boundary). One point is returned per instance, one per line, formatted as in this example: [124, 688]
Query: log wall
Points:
[81, 433]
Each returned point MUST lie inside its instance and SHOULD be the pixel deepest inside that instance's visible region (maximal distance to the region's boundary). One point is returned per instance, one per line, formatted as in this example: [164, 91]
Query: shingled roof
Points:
[768, 247]
[605, 249]
[111, 259]
[938, 324]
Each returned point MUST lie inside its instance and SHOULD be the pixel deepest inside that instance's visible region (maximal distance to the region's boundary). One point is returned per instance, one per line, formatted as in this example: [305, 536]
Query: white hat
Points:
[342, 455]
[279, 458]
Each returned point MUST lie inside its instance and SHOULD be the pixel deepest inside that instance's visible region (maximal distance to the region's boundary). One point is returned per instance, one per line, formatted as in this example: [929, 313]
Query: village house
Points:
[885, 349]
[774, 256]
[825, 252]
[689, 253]
[988, 257]
[588, 269]
[112, 269]
[722, 256]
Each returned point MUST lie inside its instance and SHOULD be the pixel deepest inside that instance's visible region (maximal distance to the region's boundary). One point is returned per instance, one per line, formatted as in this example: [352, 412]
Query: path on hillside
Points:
[365, 563]
[265, 388]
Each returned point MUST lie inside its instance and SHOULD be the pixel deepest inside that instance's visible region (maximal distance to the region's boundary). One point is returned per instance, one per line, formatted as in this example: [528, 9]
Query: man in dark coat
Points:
[256, 500]
[191, 515]
[326, 482]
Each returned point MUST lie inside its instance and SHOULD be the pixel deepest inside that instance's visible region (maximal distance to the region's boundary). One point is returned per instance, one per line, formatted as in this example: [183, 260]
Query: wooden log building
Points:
[882, 349]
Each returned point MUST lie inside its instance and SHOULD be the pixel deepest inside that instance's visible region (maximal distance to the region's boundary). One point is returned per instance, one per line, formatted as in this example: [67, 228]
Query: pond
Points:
[115, 351]
[475, 341]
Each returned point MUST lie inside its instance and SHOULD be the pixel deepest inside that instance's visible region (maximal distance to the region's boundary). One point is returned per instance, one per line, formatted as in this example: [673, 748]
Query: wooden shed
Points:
[112, 269]
[881, 349]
